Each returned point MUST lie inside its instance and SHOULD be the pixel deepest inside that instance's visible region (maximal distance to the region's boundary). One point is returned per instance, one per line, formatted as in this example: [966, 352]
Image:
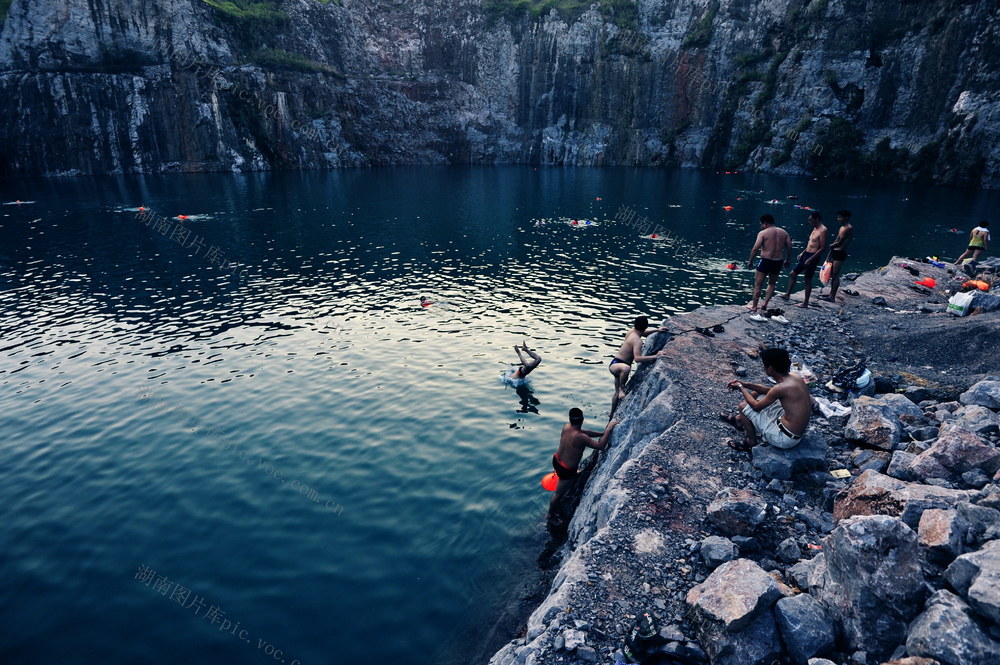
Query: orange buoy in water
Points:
[732, 266]
[141, 208]
[598, 198]
[182, 216]
[575, 222]
[727, 207]
[654, 236]
[550, 482]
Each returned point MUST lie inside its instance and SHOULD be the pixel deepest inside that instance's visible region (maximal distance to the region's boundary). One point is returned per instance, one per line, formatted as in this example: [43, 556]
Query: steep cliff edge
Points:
[633, 543]
[838, 87]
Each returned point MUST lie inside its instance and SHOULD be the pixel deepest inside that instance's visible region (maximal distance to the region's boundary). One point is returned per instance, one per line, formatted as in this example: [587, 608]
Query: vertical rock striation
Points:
[838, 87]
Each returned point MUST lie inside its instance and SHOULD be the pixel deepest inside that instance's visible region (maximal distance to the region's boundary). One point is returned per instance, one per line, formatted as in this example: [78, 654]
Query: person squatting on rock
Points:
[780, 413]
[775, 247]
[572, 443]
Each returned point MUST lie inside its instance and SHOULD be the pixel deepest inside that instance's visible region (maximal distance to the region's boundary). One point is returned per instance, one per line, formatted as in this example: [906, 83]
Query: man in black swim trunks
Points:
[809, 258]
[629, 352]
[772, 243]
[838, 252]
[572, 442]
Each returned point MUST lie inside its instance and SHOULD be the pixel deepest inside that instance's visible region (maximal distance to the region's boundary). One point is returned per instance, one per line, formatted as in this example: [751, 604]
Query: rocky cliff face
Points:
[840, 87]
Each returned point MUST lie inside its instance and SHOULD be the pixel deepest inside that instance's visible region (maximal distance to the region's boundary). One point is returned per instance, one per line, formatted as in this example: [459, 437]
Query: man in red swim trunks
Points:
[572, 442]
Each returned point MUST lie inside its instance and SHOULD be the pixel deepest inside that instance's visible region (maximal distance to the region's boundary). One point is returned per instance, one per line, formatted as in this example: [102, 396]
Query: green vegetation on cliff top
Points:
[4, 6]
[624, 13]
[278, 59]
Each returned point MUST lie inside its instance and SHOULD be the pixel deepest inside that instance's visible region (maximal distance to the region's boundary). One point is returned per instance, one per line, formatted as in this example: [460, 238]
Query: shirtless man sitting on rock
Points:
[630, 351]
[781, 415]
[573, 441]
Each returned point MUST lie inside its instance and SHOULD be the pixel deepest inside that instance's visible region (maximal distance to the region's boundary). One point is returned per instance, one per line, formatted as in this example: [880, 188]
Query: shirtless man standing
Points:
[630, 351]
[573, 441]
[809, 258]
[772, 242]
[782, 414]
[837, 252]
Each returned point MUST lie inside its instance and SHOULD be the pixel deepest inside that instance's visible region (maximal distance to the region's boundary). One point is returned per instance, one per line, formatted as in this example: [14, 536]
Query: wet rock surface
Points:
[852, 569]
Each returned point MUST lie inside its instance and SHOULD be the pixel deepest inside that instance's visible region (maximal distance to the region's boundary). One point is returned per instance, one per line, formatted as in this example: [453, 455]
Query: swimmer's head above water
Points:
[575, 417]
[641, 323]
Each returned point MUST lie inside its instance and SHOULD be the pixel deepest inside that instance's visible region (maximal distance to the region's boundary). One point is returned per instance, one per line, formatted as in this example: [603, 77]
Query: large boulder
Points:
[985, 393]
[874, 583]
[873, 493]
[805, 627]
[783, 463]
[876, 420]
[942, 533]
[975, 418]
[976, 577]
[955, 452]
[947, 633]
[734, 595]
[737, 512]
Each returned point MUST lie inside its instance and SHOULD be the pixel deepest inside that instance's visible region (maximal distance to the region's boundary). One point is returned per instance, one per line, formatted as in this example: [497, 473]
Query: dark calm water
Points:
[295, 444]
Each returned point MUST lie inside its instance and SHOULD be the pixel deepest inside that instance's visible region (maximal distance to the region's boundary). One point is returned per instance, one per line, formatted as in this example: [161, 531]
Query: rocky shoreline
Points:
[747, 559]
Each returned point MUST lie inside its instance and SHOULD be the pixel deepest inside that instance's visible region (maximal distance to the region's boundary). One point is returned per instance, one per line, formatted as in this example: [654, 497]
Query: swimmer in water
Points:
[526, 366]
[424, 302]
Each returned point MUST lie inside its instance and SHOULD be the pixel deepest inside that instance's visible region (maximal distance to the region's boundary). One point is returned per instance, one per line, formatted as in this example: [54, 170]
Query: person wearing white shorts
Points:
[768, 424]
[778, 413]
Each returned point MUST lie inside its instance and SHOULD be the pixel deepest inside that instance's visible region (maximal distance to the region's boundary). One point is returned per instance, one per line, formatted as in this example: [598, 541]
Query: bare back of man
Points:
[779, 413]
[573, 441]
[772, 242]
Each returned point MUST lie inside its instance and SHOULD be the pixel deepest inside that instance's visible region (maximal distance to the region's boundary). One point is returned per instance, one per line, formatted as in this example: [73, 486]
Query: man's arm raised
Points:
[637, 352]
[602, 443]
[653, 331]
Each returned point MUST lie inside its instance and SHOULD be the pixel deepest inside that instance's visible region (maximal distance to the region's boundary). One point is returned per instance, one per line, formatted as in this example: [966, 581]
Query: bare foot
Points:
[621, 394]
[803, 305]
[752, 307]
[785, 296]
